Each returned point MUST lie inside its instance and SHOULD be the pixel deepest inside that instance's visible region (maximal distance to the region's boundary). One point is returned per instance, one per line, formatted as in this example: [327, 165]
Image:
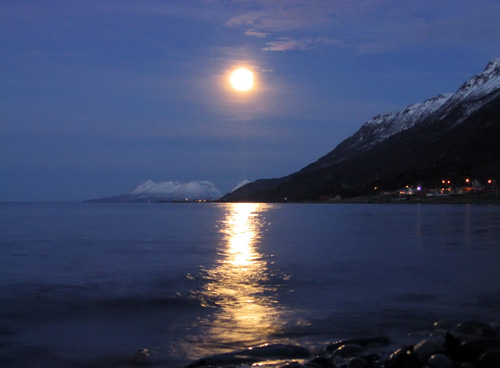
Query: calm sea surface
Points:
[87, 285]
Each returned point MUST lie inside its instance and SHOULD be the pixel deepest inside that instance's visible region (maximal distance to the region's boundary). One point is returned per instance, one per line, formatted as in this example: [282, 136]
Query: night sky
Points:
[100, 96]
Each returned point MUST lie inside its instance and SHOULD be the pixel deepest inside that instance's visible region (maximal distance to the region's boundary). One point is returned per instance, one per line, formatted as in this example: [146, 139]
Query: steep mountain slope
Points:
[446, 136]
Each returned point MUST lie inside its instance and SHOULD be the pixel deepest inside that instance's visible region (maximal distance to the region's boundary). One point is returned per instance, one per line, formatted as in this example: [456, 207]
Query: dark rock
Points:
[372, 359]
[469, 350]
[425, 348]
[358, 363]
[252, 355]
[490, 359]
[278, 351]
[323, 362]
[292, 365]
[402, 358]
[475, 328]
[441, 361]
[315, 365]
[365, 341]
[222, 360]
[347, 351]
[445, 324]
[452, 346]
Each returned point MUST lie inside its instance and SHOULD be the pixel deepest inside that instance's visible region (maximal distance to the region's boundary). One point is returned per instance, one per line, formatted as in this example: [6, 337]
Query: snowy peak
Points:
[168, 191]
[174, 190]
[482, 84]
[473, 94]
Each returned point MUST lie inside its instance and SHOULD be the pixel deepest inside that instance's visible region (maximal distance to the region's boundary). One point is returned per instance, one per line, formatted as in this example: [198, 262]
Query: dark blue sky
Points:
[100, 96]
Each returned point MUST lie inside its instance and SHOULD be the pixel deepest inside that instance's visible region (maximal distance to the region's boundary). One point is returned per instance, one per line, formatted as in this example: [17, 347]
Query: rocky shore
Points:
[470, 344]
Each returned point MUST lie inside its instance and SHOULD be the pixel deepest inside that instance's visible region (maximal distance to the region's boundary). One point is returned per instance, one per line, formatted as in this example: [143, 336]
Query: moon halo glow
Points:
[241, 79]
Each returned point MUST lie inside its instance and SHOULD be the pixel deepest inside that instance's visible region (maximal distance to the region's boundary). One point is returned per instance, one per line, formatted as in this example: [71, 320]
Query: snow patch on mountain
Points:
[240, 184]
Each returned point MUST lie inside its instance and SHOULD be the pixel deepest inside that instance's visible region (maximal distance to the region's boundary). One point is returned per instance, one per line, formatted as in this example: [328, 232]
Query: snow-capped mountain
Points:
[447, 135]
[168, 191]
[473, 94]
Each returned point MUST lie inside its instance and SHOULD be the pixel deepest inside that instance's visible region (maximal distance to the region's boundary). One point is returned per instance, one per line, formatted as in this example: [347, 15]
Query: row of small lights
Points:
[489, 181]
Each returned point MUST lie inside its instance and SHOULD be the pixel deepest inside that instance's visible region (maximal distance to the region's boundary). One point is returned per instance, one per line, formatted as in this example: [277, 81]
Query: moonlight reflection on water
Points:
[240, 283]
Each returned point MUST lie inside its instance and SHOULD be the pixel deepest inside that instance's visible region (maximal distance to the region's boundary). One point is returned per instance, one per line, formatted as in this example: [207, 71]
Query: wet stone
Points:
[347, 351]
[490, 359]
[425, 348]
[473, 349]
[323, 362]
[445, 324]
[292, 365]
[365, 341]
[402, 358]
[475, 328]
[358, 363]
[441, 361]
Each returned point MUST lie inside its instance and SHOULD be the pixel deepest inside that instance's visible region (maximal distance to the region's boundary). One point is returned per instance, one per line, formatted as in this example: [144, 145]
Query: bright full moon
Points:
[241, 80]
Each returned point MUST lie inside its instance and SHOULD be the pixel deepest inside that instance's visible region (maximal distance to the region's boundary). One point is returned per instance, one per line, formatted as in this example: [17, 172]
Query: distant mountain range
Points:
[450, 136]
[167, 191]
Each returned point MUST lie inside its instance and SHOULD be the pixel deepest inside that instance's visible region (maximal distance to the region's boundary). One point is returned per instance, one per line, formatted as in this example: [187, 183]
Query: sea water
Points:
[88, 285]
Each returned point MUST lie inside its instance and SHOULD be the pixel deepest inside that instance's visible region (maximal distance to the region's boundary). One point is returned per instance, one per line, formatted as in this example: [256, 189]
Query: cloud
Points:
[289, 44]
[366, 26]
[254, 33]
[280, 17]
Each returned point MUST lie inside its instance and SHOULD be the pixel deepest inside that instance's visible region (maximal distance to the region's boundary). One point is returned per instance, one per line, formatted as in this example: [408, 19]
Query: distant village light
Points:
[467, 180]
[490, 181]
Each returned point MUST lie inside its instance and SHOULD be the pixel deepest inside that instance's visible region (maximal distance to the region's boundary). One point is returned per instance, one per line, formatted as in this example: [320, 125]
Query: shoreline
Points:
[479, 199]
[470, 344]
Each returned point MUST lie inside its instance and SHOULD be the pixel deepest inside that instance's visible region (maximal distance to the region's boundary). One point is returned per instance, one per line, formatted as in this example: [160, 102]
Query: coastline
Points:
[471, 344]
[479, 199]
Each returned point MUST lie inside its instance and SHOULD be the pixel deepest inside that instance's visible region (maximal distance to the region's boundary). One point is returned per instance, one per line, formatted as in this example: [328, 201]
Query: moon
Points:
[241, 80]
